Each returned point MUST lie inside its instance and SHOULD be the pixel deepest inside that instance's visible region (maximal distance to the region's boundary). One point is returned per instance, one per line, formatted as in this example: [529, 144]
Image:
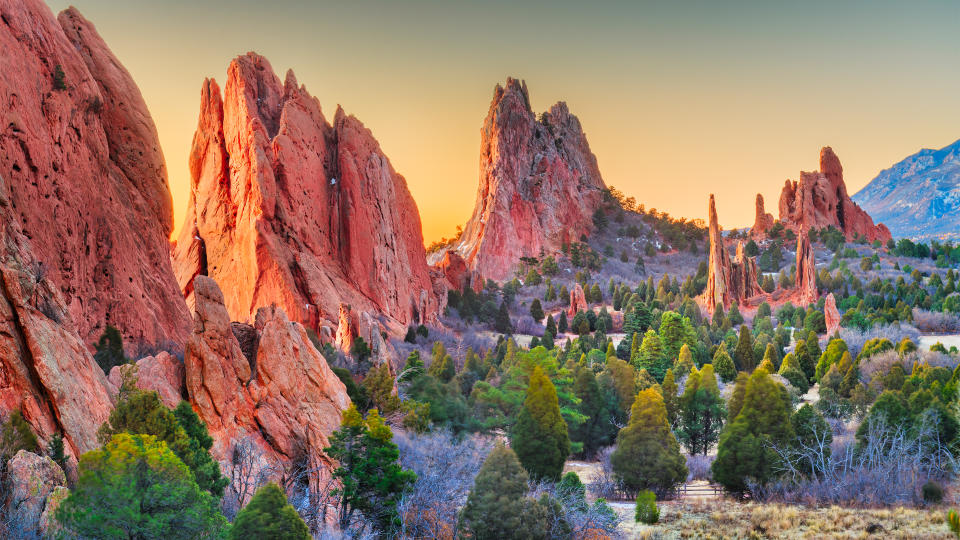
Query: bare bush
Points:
[698, 468]
[888, 468]
[584, 520]
[526, 325]
[445, 467]
[935, 321]
[895, 332]
[605, 483]
[248, 470]
[880, 363]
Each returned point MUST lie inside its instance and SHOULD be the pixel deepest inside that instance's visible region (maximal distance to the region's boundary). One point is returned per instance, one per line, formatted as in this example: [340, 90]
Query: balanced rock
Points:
[820, 200]
[86, 177]
[539, 184]
[290, 209]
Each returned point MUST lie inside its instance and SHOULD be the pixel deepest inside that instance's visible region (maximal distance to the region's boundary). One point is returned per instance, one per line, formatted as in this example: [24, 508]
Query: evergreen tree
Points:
[497, 506]
[502, 322]
[647, 454]
[109, 350]
[807, 364]
[597, 431]
[551, 326]
[540, 437]
[135, 487]
[790, 370]
[562, 324]
[441, 366]
[16, 435]
[205, 469]
[743, 355]
[702, 411]
[770, 354]
[371, 479]
[745, 450]
[650, 356]
[811, 431]
[379, 384]
[671, 401]
[56, 452]
[724, 364]
[268, 516]
[832, 355]
[675, 332]
[684, 364]
[536, 310]
[737, 396]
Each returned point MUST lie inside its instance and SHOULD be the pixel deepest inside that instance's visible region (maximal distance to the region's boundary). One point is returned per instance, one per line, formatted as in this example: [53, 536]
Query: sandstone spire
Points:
[727, 281]
[288, 208]
[806, 282]
[539, 184]
[763, 220]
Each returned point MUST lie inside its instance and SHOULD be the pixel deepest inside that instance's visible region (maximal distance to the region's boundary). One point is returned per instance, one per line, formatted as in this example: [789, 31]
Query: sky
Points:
[678, 99]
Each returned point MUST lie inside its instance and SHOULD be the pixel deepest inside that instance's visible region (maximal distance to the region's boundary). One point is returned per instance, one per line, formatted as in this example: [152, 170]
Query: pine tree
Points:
[771, 354]
[551, 325]
[647, 454]
[536, 310]
[16, 435]
[671, 401]
[702, 411]
[724, 364]
[743, 355]
[737, 396]
[807, 365]
[268, 516]
[650, 356]
[745, 450]
[790, 370]
[562, 324]
[597, 431]
[540, 437]
[502, 322]
[684, 364]
[497, 506]
[55, 450]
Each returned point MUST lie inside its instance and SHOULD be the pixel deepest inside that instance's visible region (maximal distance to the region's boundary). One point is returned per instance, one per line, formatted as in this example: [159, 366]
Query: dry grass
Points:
[730, 519]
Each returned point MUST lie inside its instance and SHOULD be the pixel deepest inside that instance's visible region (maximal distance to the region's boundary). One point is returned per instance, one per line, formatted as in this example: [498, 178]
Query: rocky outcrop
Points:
[30, 479]
[806, 281]
[578, 300]
[831, 315]
[457, 274]
[85, 177]
[539, 184]
[820, 200]
[763, 220]
[288, 208]
[285, 402]
[162, 374]
[727, 281]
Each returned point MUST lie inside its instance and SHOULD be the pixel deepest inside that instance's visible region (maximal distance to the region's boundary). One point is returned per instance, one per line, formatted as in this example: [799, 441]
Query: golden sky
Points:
[678, 99]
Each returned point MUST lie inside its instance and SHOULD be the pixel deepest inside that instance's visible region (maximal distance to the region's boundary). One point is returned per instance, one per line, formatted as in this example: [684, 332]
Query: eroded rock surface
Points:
[806, 282]
[727, 281]
[290, 209]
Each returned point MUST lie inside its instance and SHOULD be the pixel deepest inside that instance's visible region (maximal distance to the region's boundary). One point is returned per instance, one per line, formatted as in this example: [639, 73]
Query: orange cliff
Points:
[539, 185]
[288, 208]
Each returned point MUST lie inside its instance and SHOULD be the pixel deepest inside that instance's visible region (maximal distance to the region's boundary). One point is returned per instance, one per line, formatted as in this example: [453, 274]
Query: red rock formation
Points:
[458, 275]
[727, 281]
[578, 301]
[820, 200]
[831, 315]
[86, 177]
[806, 283]
[763, 220]
[162, 374]
[284, 401]
[539, 184]
[287, 208]
[30, 479]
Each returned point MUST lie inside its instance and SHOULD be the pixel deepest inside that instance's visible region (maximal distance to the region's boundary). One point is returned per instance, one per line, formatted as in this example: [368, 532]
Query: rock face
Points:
[86, 178]
[287, 208]
[831, 314]
[820, 200]
[539, 184]
[763, 220]
[918, 196]
[806, 283]
[30, 480]
[457, 274]
[578, 301]
[727, 281]
[162, 374]
[286, 401]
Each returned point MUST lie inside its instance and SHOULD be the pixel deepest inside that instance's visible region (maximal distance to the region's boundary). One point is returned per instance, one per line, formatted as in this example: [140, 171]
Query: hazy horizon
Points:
[676, 101]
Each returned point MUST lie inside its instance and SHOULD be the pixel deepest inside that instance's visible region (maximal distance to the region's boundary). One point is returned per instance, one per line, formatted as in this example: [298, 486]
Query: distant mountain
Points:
[918, 197]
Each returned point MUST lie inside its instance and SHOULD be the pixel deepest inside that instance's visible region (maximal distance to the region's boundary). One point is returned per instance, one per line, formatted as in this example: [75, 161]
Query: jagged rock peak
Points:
[819, 199]
[539, 184]
[762, 221]
[288, 208]
[727, 281]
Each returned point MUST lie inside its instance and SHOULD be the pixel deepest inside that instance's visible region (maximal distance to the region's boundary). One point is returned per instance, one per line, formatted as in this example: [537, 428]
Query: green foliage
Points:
[932, 492]
[651, 357]
[441, 366]
[597, 430]
[268, 516]
[56, 452]
[502, 322]
[830, 356]
[135, 487]
[540, 437]
[109, 350]
[379, 385]
[647, 454]
[953, 522]
[671, 401]
[723, 364]
[646, 510]
[536, 310]
[16, 435]
[702, 411]
[371, 479]
[811, 431]
[59, 78]
[745, 448]
[358, 393]
[497, 506]
[142, 412]
[743, 355]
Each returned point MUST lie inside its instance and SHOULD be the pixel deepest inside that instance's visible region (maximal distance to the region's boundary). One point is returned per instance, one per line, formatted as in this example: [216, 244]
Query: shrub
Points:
[59, 78]
[648, 455]
[647, 511]
[16, 435]
[268, 515]
[540, 437]
[932, 492]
